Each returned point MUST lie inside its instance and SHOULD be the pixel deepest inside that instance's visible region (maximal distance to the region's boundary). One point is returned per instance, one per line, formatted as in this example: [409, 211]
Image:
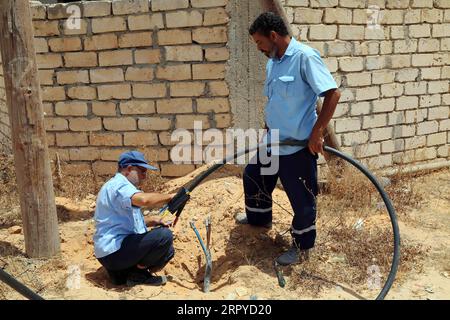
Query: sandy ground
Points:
[243, 256]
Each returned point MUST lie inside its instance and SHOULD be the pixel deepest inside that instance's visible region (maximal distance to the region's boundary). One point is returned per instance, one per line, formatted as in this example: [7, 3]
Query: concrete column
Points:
[246, 68]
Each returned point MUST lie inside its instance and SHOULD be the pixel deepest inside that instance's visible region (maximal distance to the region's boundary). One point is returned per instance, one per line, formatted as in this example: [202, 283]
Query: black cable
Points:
[26, 292]
[304, 143]
[18, 286]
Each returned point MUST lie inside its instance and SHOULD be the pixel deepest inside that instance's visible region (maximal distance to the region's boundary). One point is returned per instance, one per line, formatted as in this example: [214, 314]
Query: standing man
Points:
[123, 245]
[295, 78]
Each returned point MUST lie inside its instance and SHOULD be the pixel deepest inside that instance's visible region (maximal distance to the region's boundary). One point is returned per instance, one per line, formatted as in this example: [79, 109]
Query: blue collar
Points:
[120, 176]
[292, 48]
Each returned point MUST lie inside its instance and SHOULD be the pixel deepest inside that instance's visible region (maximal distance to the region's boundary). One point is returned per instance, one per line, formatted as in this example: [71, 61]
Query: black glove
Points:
[179, 200]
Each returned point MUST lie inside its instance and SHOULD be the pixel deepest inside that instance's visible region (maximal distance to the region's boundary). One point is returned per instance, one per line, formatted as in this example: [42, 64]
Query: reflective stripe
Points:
[258, 209]
[313, 227]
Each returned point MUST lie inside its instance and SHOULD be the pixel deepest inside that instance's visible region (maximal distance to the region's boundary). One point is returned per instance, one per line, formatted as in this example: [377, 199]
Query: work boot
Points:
[241, 218]
[293, 256]
[117, 278]
[137, 277]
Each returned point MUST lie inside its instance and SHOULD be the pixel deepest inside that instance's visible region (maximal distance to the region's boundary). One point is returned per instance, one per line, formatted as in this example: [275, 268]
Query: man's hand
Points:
[315, 144]
[330, 101]
[153, 221]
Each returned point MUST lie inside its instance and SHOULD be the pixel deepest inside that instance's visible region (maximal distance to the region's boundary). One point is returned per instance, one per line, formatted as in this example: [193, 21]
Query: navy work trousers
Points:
[153, 249]
[298, 175]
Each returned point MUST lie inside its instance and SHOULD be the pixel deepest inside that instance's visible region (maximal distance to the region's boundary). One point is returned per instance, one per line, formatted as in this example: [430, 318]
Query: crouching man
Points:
[123, 245]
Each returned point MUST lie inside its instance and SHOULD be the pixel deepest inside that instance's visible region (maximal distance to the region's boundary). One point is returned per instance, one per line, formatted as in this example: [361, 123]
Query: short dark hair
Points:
[268, 22]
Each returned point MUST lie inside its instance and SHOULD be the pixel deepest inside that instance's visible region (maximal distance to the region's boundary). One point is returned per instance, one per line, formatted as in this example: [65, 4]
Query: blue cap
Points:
[134, 158]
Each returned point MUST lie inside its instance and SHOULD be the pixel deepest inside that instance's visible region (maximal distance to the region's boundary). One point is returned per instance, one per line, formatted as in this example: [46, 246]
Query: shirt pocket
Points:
[285, 86]
[125, 204]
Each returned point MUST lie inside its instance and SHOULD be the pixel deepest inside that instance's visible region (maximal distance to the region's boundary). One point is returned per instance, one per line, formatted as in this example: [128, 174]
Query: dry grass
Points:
[32, 273]
[343, 252]
[350, 189]
[403, 192]
[355, 233]
[9, 196]
[348, 265]
[347, 261]
[73, 187]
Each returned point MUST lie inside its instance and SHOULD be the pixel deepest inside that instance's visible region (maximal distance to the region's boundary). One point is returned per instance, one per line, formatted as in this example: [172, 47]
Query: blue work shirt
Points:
[293, 85]
[115, 216]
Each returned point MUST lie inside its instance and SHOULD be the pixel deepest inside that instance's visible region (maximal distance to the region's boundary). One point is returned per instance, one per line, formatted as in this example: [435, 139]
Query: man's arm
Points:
[150, 200]
[330, 102]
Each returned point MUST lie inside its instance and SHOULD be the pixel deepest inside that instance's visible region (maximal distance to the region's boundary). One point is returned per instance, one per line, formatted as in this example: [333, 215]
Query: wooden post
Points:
[329, 136]
[34, 178]
[276, 7]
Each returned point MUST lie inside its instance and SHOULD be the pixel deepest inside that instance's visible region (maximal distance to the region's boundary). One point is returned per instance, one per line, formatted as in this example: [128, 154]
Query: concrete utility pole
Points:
[329, 136]
[23, 96]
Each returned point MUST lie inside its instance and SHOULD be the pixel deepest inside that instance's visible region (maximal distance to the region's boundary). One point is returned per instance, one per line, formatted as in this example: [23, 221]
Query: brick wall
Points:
[136, 70]
[395, 103]
[133, 72]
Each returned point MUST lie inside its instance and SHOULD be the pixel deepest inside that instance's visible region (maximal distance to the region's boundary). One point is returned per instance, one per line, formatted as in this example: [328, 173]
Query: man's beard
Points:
[272, 53]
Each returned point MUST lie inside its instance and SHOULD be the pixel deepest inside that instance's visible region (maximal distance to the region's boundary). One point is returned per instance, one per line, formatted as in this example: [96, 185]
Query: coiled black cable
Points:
[304, 143]
[25, 291]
